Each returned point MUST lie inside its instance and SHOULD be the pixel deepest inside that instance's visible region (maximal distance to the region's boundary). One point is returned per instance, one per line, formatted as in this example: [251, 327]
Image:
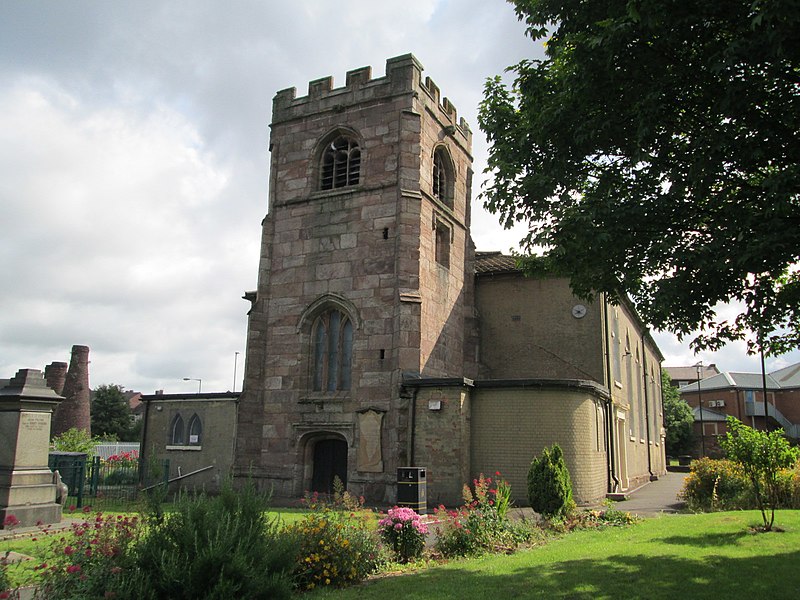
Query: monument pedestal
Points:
[27, 490]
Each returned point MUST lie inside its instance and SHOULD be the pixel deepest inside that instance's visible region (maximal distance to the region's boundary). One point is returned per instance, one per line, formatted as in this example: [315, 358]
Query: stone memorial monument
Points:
[27, 487]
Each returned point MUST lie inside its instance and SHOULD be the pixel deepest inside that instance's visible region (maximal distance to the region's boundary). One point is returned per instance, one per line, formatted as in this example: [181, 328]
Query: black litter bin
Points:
[412, 489]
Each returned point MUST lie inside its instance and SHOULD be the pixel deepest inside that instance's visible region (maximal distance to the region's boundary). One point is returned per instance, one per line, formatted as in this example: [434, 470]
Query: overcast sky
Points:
[134, 163]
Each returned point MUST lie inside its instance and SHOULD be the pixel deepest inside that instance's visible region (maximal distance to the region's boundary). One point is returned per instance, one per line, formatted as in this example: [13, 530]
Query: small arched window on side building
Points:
[332, 352]
[176, 431]
[340, 163]
[195, 431]
[443, 177]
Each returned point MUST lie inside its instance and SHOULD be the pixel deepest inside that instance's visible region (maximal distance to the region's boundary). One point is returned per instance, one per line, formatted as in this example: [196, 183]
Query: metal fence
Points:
[99, 482]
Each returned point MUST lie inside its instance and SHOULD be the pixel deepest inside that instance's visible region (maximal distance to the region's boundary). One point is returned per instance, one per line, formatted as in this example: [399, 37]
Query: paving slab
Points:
[655, 498]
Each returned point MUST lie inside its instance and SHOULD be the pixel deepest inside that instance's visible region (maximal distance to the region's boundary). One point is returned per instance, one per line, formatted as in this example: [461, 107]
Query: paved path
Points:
[656, 497]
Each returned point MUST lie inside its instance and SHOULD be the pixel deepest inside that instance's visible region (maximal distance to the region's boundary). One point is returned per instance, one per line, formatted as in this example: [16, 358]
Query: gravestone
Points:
[27, 488]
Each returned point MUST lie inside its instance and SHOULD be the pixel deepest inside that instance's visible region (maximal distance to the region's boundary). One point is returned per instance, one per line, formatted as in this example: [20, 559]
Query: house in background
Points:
[681, 376]
[742, 395]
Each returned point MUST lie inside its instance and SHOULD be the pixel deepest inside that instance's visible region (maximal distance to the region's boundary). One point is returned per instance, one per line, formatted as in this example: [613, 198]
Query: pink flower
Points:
[398, 526]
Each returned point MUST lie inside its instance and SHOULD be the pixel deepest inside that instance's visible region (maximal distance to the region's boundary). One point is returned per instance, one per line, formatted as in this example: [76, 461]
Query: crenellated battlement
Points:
[403, 76]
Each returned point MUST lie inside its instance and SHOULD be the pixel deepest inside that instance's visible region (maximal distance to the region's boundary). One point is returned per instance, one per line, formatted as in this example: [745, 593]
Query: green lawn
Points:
[685, 556]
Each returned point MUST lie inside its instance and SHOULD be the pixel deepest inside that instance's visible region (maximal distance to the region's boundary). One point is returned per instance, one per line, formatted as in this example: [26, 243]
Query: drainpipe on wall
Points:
[613, 482]
[143, 442]
[647, 423]
[413, 425]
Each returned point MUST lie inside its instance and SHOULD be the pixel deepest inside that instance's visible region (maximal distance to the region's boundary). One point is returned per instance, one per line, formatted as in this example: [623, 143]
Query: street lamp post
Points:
[235, 360]
[699, 367]
[199, 383]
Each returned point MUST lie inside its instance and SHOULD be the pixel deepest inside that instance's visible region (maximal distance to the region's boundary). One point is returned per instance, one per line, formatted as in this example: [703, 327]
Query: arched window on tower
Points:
[443, 177]
[340, 164]
[332, 339]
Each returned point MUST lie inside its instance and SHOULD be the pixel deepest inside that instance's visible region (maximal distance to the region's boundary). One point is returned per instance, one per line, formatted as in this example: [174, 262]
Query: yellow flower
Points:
[327, 582]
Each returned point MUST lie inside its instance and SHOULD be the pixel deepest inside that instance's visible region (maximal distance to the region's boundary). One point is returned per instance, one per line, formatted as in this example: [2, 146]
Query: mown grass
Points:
[685, 556]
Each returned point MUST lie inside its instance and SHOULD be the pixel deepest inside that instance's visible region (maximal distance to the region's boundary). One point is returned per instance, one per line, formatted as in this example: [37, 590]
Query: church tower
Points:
[365, 281]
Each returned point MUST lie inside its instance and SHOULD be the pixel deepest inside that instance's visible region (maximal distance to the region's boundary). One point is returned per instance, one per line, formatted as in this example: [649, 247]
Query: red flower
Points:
[74, 569]
[69, 550]
[10, 521]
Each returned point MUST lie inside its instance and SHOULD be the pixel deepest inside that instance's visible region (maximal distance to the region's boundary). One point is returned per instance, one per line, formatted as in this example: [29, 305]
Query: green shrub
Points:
[5, 584]
[214, 548]
[762, 456]
[76, 440]
[717, 484]
[549, 484]
[481, 524]
[334, 548]
[91, 560]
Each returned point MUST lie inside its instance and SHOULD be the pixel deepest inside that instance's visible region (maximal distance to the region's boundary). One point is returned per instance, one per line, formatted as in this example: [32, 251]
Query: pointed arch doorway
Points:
[329, 461]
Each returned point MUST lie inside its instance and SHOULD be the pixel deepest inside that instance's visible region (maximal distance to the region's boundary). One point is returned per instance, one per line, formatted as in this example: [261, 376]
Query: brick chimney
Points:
[56, 375]
[74, 411]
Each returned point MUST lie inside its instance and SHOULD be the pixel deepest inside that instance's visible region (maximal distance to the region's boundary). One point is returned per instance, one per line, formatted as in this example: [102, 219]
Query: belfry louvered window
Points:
[341, 164]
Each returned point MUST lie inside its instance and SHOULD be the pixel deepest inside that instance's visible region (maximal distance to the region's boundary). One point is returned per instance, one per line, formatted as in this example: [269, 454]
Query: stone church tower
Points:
[365, 281]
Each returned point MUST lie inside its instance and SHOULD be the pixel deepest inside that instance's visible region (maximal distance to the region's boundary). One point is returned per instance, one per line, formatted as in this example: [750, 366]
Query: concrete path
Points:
[656, 497]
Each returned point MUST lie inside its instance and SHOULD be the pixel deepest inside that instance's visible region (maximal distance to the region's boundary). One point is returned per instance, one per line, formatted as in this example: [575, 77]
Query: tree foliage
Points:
[762, 455]
[549, 484]
[111, 413]
[76, 440]
[678, 419]
[654, 151]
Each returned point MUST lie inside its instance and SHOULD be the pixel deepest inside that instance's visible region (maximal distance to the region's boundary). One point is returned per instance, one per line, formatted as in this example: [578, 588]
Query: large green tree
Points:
[111, 413]
[678, 419]
[655, 151]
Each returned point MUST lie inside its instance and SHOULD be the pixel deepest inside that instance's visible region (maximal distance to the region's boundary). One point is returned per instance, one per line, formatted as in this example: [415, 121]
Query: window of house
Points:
[176, 436]
[341, 163]
[332, 352]
[195, 431]
[442, 244]
[443, 178]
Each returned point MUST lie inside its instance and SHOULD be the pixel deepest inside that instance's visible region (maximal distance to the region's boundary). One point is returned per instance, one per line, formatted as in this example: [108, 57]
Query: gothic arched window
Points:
[332, 341]
[340, 165]
[443, 178]
[176, 431]
[195, 430]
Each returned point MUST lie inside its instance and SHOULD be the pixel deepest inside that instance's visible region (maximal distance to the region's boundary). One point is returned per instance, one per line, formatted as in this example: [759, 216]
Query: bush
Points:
[405, 532]
[76, 440]
[91, 560]
[481, 524]
[762, 455]
[549, 484]
[216, 548]
[5, 584]
[335, 548]
[717, 484]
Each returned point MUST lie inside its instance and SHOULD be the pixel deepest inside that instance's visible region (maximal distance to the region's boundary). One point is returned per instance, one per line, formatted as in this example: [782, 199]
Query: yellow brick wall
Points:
[511, 426]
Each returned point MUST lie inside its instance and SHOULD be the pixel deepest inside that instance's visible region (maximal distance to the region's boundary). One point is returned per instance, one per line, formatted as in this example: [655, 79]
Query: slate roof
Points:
[727, 380]
[495, 263]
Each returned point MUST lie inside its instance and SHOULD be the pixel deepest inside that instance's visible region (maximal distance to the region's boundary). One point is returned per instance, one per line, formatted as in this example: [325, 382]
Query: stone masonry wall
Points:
[358, 248]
